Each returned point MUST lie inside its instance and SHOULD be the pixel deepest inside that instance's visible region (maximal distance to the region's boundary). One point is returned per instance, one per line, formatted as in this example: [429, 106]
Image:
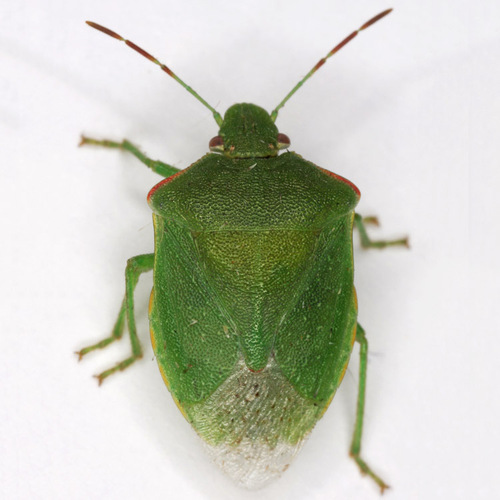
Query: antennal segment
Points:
[165, 68]
[320, 63]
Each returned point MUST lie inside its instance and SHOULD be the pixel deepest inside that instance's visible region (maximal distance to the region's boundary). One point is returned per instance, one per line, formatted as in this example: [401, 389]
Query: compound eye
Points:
[216, 144]
[283, 141]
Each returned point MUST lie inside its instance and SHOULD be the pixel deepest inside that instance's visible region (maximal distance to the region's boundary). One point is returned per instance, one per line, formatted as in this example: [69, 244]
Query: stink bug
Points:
[253, 312]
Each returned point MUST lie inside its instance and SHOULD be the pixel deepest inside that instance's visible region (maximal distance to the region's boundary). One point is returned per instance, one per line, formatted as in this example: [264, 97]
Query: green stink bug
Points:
[253, 312]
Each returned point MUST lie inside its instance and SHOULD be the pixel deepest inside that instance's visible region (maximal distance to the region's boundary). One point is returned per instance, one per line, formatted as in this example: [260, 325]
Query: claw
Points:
[371, 219]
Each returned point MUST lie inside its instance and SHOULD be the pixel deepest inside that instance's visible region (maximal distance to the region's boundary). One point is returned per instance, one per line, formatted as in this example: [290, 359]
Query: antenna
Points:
[320, 63]
[165, 68]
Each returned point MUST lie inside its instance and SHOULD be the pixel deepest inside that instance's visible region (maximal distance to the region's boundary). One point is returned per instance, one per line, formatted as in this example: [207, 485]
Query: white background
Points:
[409, 111]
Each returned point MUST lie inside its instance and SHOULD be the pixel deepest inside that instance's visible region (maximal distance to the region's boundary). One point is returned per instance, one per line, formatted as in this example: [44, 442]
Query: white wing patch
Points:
[253, 465]
[254, 424]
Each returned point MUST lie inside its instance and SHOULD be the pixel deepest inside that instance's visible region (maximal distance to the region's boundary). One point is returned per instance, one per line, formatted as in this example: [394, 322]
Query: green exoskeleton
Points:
[253, 311]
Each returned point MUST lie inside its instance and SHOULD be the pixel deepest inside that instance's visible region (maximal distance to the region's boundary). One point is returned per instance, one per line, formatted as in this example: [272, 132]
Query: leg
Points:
[366, 242]
[156, 166]
[358, 429]
[135, 267]
[116, 333]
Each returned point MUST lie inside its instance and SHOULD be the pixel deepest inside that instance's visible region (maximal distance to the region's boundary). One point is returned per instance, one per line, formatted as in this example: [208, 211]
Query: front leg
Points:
[156, 166]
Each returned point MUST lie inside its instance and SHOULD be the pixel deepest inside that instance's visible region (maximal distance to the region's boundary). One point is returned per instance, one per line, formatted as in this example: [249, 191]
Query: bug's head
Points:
[247, 131]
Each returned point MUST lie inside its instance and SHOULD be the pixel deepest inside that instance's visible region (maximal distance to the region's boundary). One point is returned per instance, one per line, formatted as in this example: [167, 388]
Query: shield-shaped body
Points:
[253, 310]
